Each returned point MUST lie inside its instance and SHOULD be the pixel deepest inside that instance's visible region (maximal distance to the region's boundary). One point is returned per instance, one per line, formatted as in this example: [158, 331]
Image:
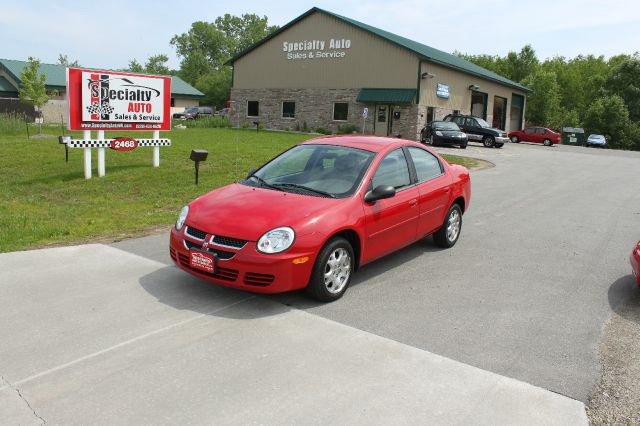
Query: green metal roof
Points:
[386, 96]
[423, 51]
[57, 77]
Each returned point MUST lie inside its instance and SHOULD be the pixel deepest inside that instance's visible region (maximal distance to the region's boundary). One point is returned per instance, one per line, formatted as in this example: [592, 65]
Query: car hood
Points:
[246, 212]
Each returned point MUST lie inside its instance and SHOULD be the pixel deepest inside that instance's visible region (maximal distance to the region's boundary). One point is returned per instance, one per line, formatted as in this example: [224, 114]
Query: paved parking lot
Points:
[114, 335]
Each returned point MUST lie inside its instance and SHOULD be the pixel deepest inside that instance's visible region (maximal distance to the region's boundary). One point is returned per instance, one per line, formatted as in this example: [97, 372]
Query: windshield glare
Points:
[445, 125]
[334, 170]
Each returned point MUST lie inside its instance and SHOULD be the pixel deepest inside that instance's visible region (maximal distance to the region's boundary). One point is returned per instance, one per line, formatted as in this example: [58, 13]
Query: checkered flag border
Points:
[96, 108]
[94, 143]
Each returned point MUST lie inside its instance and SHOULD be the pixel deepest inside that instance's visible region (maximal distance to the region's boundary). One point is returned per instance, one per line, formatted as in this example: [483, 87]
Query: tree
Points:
[208, 45]
[33, 89]
[157, 64]
[624, 81]
[134, 66]
[609, 116]
[64, 61]
[543, 105]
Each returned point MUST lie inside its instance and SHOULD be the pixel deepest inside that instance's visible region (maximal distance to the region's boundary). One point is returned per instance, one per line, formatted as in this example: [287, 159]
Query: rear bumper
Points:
[248, 269]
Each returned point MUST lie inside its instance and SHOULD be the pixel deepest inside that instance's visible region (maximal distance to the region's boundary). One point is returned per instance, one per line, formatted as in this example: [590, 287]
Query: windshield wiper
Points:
[264, 182]
[305, 188]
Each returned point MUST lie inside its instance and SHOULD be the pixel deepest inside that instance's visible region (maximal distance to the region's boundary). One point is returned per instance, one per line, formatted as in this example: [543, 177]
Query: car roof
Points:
[366, 142]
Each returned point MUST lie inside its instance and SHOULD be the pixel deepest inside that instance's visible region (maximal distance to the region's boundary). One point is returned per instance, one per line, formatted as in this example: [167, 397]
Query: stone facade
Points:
[314, 108]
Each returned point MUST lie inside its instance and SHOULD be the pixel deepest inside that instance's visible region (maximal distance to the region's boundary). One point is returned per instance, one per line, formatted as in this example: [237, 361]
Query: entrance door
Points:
[383, 120]
[517, 109]
[479, 104]
[499, 112]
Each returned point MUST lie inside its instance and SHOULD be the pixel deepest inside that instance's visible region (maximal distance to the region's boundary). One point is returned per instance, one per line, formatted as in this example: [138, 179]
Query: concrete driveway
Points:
[493, 331]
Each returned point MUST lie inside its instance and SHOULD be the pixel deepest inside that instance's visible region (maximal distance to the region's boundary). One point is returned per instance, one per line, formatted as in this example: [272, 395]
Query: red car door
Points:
[391, 223]
[434, 190]
[528, 135]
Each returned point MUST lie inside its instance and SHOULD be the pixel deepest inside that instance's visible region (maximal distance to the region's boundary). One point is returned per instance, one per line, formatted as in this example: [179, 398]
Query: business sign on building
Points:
[333, 48]
[106, 100]
[442, 91]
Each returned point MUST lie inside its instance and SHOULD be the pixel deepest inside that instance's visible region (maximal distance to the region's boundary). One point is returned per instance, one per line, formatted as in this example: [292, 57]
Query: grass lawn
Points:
[45, 201]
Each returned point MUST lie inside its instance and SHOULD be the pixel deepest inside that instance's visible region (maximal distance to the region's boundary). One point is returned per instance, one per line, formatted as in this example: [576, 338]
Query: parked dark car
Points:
[193, 113]
[443, 133]
[535, 134]
[478, 130]
[223, 112]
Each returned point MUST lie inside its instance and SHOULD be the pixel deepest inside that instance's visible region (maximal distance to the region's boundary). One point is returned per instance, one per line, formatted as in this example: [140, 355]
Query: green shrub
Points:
[245, 124]
[206, 122]
[347, 128]
[12, 124]
[323, 131]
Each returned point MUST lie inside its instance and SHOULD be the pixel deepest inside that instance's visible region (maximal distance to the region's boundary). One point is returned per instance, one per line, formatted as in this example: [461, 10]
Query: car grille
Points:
[224, 274]
[222, 255]
[262, 280]
[217, 239]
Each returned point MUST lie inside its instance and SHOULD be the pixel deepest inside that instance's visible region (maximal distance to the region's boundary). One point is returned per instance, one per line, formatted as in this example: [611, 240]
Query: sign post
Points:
[106, 100]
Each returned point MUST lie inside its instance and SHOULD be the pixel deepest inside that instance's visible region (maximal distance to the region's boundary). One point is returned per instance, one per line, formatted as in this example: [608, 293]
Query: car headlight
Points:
[182, 217]
[438, 133]
[277, 240]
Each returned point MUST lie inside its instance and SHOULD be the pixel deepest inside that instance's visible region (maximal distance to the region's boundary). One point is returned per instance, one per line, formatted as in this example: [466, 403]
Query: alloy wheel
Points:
[337, 270]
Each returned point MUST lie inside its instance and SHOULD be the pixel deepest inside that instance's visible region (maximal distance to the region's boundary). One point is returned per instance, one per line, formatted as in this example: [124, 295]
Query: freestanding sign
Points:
[107, 100]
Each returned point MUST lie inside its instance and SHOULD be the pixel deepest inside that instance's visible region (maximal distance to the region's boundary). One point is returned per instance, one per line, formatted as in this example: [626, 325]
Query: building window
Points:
[253, 108]
[340, 111]
[173, 102]
[288, 109]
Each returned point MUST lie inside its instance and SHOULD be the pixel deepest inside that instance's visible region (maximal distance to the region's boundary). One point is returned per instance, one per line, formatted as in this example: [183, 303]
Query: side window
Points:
[540, 131]
[288, 109]
[253, 109]
[470, 122]
[392, 171]
[529, 131]
[426, 164]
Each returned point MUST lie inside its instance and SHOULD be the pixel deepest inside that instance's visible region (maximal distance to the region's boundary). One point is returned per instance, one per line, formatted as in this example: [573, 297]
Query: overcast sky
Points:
[109, 34]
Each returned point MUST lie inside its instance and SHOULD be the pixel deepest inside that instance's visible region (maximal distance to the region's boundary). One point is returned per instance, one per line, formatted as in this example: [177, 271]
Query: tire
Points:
[498, 145]
[332, 271]
[547, 142]
[423, 138]
[448, 234]
[463, 146]
[515, 139]
[488, 141]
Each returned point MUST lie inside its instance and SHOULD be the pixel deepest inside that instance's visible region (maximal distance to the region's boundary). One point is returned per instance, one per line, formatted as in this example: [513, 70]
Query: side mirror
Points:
[380, 192]
[251, 171]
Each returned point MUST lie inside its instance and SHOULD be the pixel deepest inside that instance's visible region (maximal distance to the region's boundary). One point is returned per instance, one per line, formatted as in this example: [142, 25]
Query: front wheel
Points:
[448, 235]
[332, 271]
[515, 139]
[488, 141]
[463, 146]
[547, 142]
[499, 145]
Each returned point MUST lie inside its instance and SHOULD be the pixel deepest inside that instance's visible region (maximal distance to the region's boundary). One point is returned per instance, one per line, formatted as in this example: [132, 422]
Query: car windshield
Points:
[317, 170]
[445, 125]
[482, 123]
[596, 137]
[191, 110]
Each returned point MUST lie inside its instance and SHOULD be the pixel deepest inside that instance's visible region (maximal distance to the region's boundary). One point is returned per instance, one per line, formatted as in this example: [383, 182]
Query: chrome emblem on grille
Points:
[208, 239]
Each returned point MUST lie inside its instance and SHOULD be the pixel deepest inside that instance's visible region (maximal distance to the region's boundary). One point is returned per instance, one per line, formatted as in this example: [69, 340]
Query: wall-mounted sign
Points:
[105, 100]
[316, 49]
[365, 112]
[442, 91]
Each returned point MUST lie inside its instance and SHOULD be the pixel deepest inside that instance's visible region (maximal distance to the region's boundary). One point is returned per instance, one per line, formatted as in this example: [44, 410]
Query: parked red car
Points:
[313, 215]
[535, 134]
[635, 263]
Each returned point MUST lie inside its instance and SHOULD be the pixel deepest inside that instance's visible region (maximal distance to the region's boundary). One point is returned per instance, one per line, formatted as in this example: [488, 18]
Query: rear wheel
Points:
[448, 234]
[547, 142]
[463, 146]
[332, 271]
[488, 141]
[515, 139]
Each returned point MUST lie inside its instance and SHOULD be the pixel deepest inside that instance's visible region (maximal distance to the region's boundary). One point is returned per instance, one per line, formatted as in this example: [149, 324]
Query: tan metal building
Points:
[322, 70]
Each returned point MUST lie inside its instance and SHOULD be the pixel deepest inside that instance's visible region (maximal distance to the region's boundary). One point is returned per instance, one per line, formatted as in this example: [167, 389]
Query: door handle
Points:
[413, 203]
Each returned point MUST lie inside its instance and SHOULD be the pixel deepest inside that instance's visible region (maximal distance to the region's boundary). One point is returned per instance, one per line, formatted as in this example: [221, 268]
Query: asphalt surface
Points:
[541, 264]
[96, 335]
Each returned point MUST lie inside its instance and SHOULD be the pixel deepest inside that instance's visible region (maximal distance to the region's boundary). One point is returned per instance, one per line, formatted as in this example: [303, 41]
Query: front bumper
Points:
[502, 140]
[449, 140]
[247, 269]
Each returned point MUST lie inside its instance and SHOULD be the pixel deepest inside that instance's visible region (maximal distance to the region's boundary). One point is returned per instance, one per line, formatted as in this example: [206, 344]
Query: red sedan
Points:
[635, 263]
[313, 215]
[535, 134]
